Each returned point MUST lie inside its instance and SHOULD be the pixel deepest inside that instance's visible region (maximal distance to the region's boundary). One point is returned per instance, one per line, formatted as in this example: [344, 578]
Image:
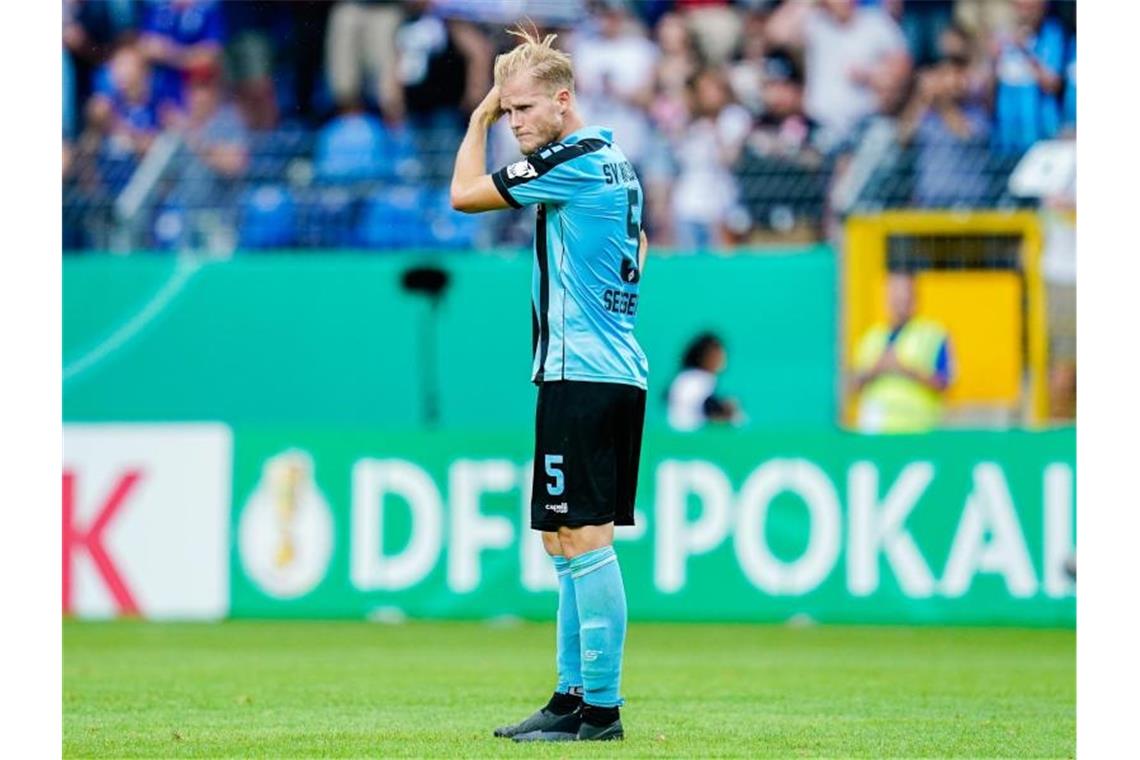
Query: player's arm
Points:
[642, 250]
[472, 189]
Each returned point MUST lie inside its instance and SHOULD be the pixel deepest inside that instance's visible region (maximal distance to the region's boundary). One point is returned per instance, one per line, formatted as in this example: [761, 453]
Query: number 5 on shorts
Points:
[552, 469]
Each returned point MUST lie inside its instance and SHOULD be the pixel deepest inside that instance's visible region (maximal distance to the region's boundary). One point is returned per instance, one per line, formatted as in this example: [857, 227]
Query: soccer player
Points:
[591, 373]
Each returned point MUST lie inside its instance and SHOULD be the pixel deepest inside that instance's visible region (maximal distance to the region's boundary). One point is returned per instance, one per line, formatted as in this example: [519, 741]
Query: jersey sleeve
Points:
[545, 177]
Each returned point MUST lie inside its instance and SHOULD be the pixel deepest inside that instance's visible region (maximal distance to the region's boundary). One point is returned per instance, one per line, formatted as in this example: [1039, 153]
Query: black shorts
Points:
[587, 446]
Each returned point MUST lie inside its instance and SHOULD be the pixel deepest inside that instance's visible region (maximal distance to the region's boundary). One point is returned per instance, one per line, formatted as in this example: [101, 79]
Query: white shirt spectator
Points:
[705, 190]
[608, 72]
[832, 49]
[687, 396]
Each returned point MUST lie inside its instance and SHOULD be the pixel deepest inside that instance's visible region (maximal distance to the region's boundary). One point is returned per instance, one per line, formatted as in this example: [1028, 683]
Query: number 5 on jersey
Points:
[633, 221]
[553, 470]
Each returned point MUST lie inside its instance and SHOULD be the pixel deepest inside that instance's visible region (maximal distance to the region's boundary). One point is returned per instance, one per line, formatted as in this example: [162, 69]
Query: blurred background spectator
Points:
[91, 31]
[199, 206]
[902, 367]
[180, 37]
[668, 111]
[706, 207]
[1028, 61]
[124, 115]
[951, 131]
[693, 400]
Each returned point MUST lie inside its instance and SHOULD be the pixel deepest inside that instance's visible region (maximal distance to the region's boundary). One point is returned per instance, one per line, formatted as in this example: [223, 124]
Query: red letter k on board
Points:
[90, 540]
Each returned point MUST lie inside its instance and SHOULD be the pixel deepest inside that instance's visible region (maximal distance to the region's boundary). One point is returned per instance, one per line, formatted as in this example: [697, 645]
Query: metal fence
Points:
[358, 184]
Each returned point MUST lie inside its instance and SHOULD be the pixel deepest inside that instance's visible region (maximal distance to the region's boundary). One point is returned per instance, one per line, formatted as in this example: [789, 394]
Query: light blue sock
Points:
[569, 657]
[601, 610]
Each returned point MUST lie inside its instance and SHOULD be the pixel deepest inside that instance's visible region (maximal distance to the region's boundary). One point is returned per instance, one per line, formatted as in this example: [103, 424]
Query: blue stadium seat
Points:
[268, 218]
[356, 147]
[396, 216]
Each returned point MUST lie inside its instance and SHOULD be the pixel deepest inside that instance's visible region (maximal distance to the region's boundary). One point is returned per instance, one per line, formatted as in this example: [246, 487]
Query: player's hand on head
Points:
[490, 109]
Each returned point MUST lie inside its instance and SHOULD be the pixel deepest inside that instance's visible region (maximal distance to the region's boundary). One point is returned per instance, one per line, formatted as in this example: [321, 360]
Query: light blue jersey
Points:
[586, 278]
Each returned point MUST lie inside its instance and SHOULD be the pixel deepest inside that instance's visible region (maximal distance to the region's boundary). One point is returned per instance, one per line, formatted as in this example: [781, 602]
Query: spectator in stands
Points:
[248, 55]
[123, 119]
[178, 37]
[613, 76]
[360, 52]
[1028, 62]
[675, 66]
[705, 196]
[951, 133]
[91, 31]
[783, 129]
[692, 400]
[855, 58]
[444, 67]
[902, 368]
[746, 73]
[216, 142]
[779, 173]
[125, 109]
[198, 207]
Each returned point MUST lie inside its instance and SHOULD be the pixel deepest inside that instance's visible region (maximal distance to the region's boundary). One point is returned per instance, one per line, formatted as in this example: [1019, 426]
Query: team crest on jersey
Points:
[521, 169]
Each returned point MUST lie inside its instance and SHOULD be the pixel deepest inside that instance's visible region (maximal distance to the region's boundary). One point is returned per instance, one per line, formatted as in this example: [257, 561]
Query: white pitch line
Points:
[184, 270]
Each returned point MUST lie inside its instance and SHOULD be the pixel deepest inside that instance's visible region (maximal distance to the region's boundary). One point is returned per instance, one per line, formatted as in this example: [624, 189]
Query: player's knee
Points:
[586, 538]
[570, 540]
[552, 543]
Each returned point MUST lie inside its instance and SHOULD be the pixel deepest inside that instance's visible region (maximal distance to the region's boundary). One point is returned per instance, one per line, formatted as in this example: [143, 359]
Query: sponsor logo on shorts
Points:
[561, 509]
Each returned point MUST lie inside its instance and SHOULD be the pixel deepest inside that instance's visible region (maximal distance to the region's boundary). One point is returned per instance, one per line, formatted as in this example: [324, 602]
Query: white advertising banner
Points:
[146, 513]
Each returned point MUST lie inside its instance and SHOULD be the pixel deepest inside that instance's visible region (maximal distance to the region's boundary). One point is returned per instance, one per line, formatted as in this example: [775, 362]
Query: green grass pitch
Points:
[354, 689]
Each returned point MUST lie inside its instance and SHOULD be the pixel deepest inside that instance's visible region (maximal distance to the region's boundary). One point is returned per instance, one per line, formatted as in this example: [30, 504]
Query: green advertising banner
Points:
[333, 340]
[949, 528]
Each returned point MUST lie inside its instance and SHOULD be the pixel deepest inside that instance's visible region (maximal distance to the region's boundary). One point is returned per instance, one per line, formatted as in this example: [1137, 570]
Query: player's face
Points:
[535, 115]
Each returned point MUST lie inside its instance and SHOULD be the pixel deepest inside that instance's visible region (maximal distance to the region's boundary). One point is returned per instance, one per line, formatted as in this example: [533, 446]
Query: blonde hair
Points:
[537, 58]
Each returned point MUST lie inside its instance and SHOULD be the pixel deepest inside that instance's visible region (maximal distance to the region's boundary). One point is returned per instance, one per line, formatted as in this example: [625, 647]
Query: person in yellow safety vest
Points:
[902, 369]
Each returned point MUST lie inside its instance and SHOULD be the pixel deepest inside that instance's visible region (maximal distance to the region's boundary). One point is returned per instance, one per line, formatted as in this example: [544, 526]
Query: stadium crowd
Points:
[223, 125]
